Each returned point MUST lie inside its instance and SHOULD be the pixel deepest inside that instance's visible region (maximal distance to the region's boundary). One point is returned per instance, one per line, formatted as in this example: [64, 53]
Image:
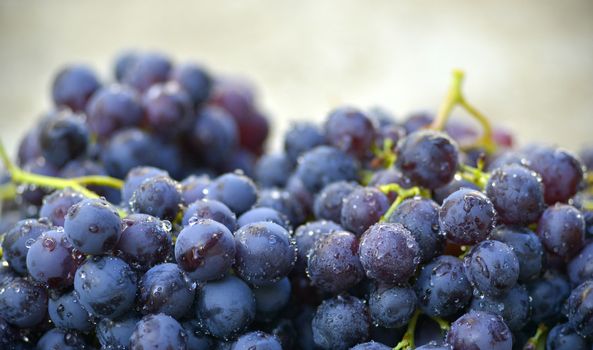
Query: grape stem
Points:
[402, 194]
[407, 341]
[455, 97]
[384, 157]
[443, 324]
[538, 340]
[474, 175]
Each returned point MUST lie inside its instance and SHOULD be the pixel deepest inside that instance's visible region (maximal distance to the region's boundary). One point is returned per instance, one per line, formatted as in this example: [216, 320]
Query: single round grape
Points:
[341, 322]
[66, 312]
[225, 307]
[214, 136]
[264, 214]
[492, 267]
[284, 202]
[392, 306]
[29, 147]
[106, 286]
[323, 165]
[517, 194]
[166, 289]
[561, 172]
[192, 188]
[481, 331]
[22, 303]
[526, 246]
[439, 194]
[210, 209]
[435, 346]
[580, 268]
[514, 307]
[17, 240]
[333, 265]
[548, 295]
[237, 191]
[507, 158]
[467, 217]
[115, 334]
[127, 149]
[389, 176]
[158, 196]
[300, 138]
[34, 195]
[307, 234]
[240, 161]
[196, 338]
[257, 340]
[85, 167]
[421, 217]
[328, 203]
[269, 300]
[442, 288]
[265, 253]
[93, 226]
[580, 307]
[158, 332]
[272, 170]
[145, 241]
[135, 177]
[561, 229]
[372, 345]
[563, 337]
[73, 86]
[55, 206]
[50, 260]
[147, 69]
[60, 339]
[363, 207]
[195, 80]
[296, 187]
[350, 130]
[205, 250]
[64, 138]
[428, 158]
[388, 253]
[112, 108]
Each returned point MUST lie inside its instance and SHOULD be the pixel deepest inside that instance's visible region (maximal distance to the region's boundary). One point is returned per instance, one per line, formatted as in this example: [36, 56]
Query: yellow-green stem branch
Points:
[402, 194]
[534, 342]
[443, 324]
[407, 341]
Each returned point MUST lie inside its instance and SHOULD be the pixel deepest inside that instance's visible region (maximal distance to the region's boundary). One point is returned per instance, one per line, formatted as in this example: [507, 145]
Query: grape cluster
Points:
[145, 214]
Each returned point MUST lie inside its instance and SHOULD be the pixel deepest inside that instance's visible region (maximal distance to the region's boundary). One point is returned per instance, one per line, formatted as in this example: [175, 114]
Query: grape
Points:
[205, 250]
[388, 253]
[467, 217]
[492, 267]
[127, 149]
[562, 230]
[263, 214]
[513, 307]
[579, 309]
[158, 332]
[272, 170]
[73, 86]
[340, 323]
[300, 138]
[428, 158]
[264, 253]
[392, 306]
[526, 246]
[195, 80]
[210, 209]
[371, 346]
[560, 170]
[517, 194]
[66, 312]
[563, 337]
[31, 194]
[106, 286]
[17, 241]
[389, 176]
[62, 340]
[8, 334]
[56, 205]
[115, 334]
[296, 187]
[214, 136]
[192, 188]
[240, 161]
[430, 346]
[112, 108]
[442, 288]
[158, 196]
[421, 218]
[548, 295]
[237, 191]
[580, 268]
[50, 260]
[363, 207]
[333, 265]
[144, 241]
[323, 165]
[63, 139]
[196, 339]
[481, 331]
[284, 202]
[225, 307]
[93, 226]
[165, 289]
[507, 158]
[29, 147]
[350, 130]
[306, 235]
[122, 63]
[328, 203]
[135, 177]
[272, 298]
[79, 167]
[257, 340]
[22, 303]
[147, 69]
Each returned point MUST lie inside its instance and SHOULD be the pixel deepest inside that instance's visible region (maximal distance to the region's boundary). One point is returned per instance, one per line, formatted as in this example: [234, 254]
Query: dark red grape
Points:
[351, 131]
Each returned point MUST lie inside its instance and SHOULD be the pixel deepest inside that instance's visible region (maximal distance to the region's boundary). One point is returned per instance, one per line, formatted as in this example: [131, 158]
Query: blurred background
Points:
[529, 64]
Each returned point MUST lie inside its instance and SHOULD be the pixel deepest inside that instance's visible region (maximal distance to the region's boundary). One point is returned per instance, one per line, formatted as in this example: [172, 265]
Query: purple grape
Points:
[210, 209]
[257, 340]
[264, 214]
[328, 203]
[22, 303]
[115, 334]
[392, 306]
[273, 170]
[73, 86]
[147, 69]
[214, 136]
[50, 260]
[158, 332]
[66, 312]
[561, 229]
[158, 196]
[341, 322]
[514, 307]
[237, 191]
[55, 206]
[323, 165]
[492, 267]
[527, 247]
[62, 340]
[480, 331]
[300, 138]
[17, 240]
[192, 188]
[351, 131]
[63, 139]
[195, 80]
[363, 207]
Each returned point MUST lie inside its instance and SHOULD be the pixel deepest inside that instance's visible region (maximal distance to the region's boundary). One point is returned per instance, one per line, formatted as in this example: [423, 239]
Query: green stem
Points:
[443, 324]
[540, 336]
[99, 180]
[474, 175]
[465, 250]
[402, 194]
[7, 191]
[407, 341]
[384, 157]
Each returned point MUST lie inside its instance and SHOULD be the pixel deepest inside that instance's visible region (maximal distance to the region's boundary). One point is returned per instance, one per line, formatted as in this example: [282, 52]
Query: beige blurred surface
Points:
[529, 64]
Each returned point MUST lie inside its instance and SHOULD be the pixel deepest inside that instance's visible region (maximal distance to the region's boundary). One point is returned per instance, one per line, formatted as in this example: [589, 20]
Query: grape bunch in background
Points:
[143, 213]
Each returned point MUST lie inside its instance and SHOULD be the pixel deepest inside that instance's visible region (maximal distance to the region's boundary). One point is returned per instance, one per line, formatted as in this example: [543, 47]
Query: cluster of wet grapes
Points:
[144, 214]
